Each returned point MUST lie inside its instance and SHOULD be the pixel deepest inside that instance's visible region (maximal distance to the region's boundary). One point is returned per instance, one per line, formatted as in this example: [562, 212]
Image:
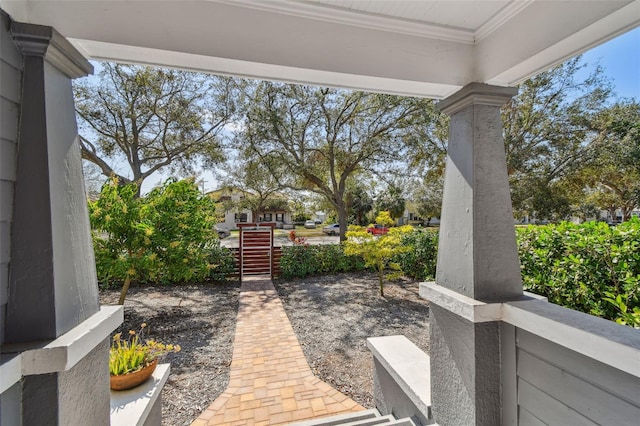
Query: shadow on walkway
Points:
[270, 381]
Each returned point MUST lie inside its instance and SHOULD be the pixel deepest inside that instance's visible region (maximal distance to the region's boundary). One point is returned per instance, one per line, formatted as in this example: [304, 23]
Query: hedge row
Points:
[591, 267]
[302, 260]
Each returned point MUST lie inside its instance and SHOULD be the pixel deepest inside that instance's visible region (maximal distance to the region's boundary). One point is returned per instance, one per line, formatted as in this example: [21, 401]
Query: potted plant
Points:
[131, 362]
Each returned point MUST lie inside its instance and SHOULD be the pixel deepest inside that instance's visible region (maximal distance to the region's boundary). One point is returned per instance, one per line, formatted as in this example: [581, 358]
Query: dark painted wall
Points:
[10, 80]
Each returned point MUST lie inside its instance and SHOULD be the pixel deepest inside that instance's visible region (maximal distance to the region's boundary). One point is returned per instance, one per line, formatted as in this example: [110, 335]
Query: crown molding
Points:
[328, 13]
[334, 15]
[496, 21]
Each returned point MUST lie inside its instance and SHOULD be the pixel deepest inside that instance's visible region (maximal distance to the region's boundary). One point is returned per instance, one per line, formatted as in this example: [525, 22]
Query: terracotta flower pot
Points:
[131, 380]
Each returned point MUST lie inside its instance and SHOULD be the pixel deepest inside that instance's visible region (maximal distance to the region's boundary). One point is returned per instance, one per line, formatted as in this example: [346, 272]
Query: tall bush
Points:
[591, 267]
[166, 236]
[419, 262]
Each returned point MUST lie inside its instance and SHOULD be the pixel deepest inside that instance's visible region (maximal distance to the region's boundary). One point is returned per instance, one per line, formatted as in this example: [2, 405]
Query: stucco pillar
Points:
[53, 290]
[53, 284]
[477, 262]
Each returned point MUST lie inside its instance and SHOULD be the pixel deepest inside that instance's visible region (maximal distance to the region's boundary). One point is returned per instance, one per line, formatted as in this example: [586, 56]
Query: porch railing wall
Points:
[565, 367]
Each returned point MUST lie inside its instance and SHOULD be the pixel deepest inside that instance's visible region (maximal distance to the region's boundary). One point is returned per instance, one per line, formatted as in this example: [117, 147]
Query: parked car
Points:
[222, 233]
[333, 229]
[377, 229]
[310, 224]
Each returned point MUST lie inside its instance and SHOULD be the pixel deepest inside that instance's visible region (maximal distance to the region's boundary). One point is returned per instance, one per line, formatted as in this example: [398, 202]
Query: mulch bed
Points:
[331, 315]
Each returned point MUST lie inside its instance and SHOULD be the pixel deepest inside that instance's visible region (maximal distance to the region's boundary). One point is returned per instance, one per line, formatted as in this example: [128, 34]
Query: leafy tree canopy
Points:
[392, 200]
[150, 119]
[547, 133]
[321, 137]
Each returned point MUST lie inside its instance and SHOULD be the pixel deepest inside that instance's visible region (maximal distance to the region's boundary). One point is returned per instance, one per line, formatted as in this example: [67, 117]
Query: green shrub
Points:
[378, 252]
[419, 263]
[303, 260]
[591, 267]
[166, 236]
[221, 263]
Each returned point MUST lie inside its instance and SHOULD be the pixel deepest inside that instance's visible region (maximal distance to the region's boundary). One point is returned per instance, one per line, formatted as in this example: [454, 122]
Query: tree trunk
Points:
[381, 280]
[125, 289]
[342, 220]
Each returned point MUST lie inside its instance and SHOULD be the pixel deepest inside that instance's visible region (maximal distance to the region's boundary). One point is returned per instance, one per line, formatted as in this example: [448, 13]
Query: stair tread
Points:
[402, 422]
[381, 420]
[340, 419]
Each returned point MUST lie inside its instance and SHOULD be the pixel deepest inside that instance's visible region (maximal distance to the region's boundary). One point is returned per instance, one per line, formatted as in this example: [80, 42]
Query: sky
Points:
[620, 58]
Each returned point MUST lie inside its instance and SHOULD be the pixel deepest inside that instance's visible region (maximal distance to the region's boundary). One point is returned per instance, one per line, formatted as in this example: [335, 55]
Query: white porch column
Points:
[477, 261]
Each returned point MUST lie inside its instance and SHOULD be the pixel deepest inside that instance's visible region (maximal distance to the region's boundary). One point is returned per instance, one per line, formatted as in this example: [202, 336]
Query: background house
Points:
[411, 217]
[240, 206]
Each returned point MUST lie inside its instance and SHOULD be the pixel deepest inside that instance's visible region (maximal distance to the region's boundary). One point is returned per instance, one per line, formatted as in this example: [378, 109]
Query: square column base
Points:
[465, 366]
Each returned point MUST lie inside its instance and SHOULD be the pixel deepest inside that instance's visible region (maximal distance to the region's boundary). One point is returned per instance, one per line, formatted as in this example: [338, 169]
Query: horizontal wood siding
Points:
[559, 386]
[528, 419]
[546, 409]
[10, 92]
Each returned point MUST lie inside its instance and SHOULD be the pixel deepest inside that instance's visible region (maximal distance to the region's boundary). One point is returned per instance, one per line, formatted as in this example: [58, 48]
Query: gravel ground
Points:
[331, 315]
[202, 320]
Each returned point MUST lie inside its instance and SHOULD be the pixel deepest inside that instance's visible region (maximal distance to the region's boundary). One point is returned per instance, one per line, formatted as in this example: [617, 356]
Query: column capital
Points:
[477, 94]
[46, 42]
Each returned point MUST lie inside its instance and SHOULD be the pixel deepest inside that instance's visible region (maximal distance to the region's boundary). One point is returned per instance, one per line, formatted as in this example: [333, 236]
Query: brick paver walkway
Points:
[270, 382]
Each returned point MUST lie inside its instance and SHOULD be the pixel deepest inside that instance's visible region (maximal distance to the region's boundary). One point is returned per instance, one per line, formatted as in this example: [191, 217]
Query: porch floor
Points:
[270, 381]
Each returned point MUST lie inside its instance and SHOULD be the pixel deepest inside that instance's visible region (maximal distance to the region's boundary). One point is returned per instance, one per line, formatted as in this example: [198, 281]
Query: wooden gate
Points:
[256, 249]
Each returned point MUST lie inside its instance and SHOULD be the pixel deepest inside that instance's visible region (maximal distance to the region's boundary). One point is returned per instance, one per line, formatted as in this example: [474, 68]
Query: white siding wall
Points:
[556, 386]
[10, 85]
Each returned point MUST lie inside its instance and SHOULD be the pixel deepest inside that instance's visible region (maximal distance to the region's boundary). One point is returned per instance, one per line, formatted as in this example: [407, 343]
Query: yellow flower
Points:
[174, 244]
[148, 232]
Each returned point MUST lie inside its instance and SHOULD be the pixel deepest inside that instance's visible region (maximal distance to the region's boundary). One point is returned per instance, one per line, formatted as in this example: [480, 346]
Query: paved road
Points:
[232, 241]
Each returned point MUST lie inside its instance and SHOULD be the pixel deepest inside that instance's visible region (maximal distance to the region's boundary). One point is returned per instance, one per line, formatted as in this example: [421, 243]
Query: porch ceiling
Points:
[426, 48]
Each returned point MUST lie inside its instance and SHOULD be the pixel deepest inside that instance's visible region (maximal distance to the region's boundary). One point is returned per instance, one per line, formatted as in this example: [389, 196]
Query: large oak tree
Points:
[138, 120]
[319, 138]
[548, 135]
[613, 172]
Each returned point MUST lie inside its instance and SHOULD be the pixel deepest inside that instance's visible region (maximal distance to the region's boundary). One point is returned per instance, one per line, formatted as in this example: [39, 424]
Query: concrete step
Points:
[386, 420]
[403, 422]
[341, 419]
[361, 418]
